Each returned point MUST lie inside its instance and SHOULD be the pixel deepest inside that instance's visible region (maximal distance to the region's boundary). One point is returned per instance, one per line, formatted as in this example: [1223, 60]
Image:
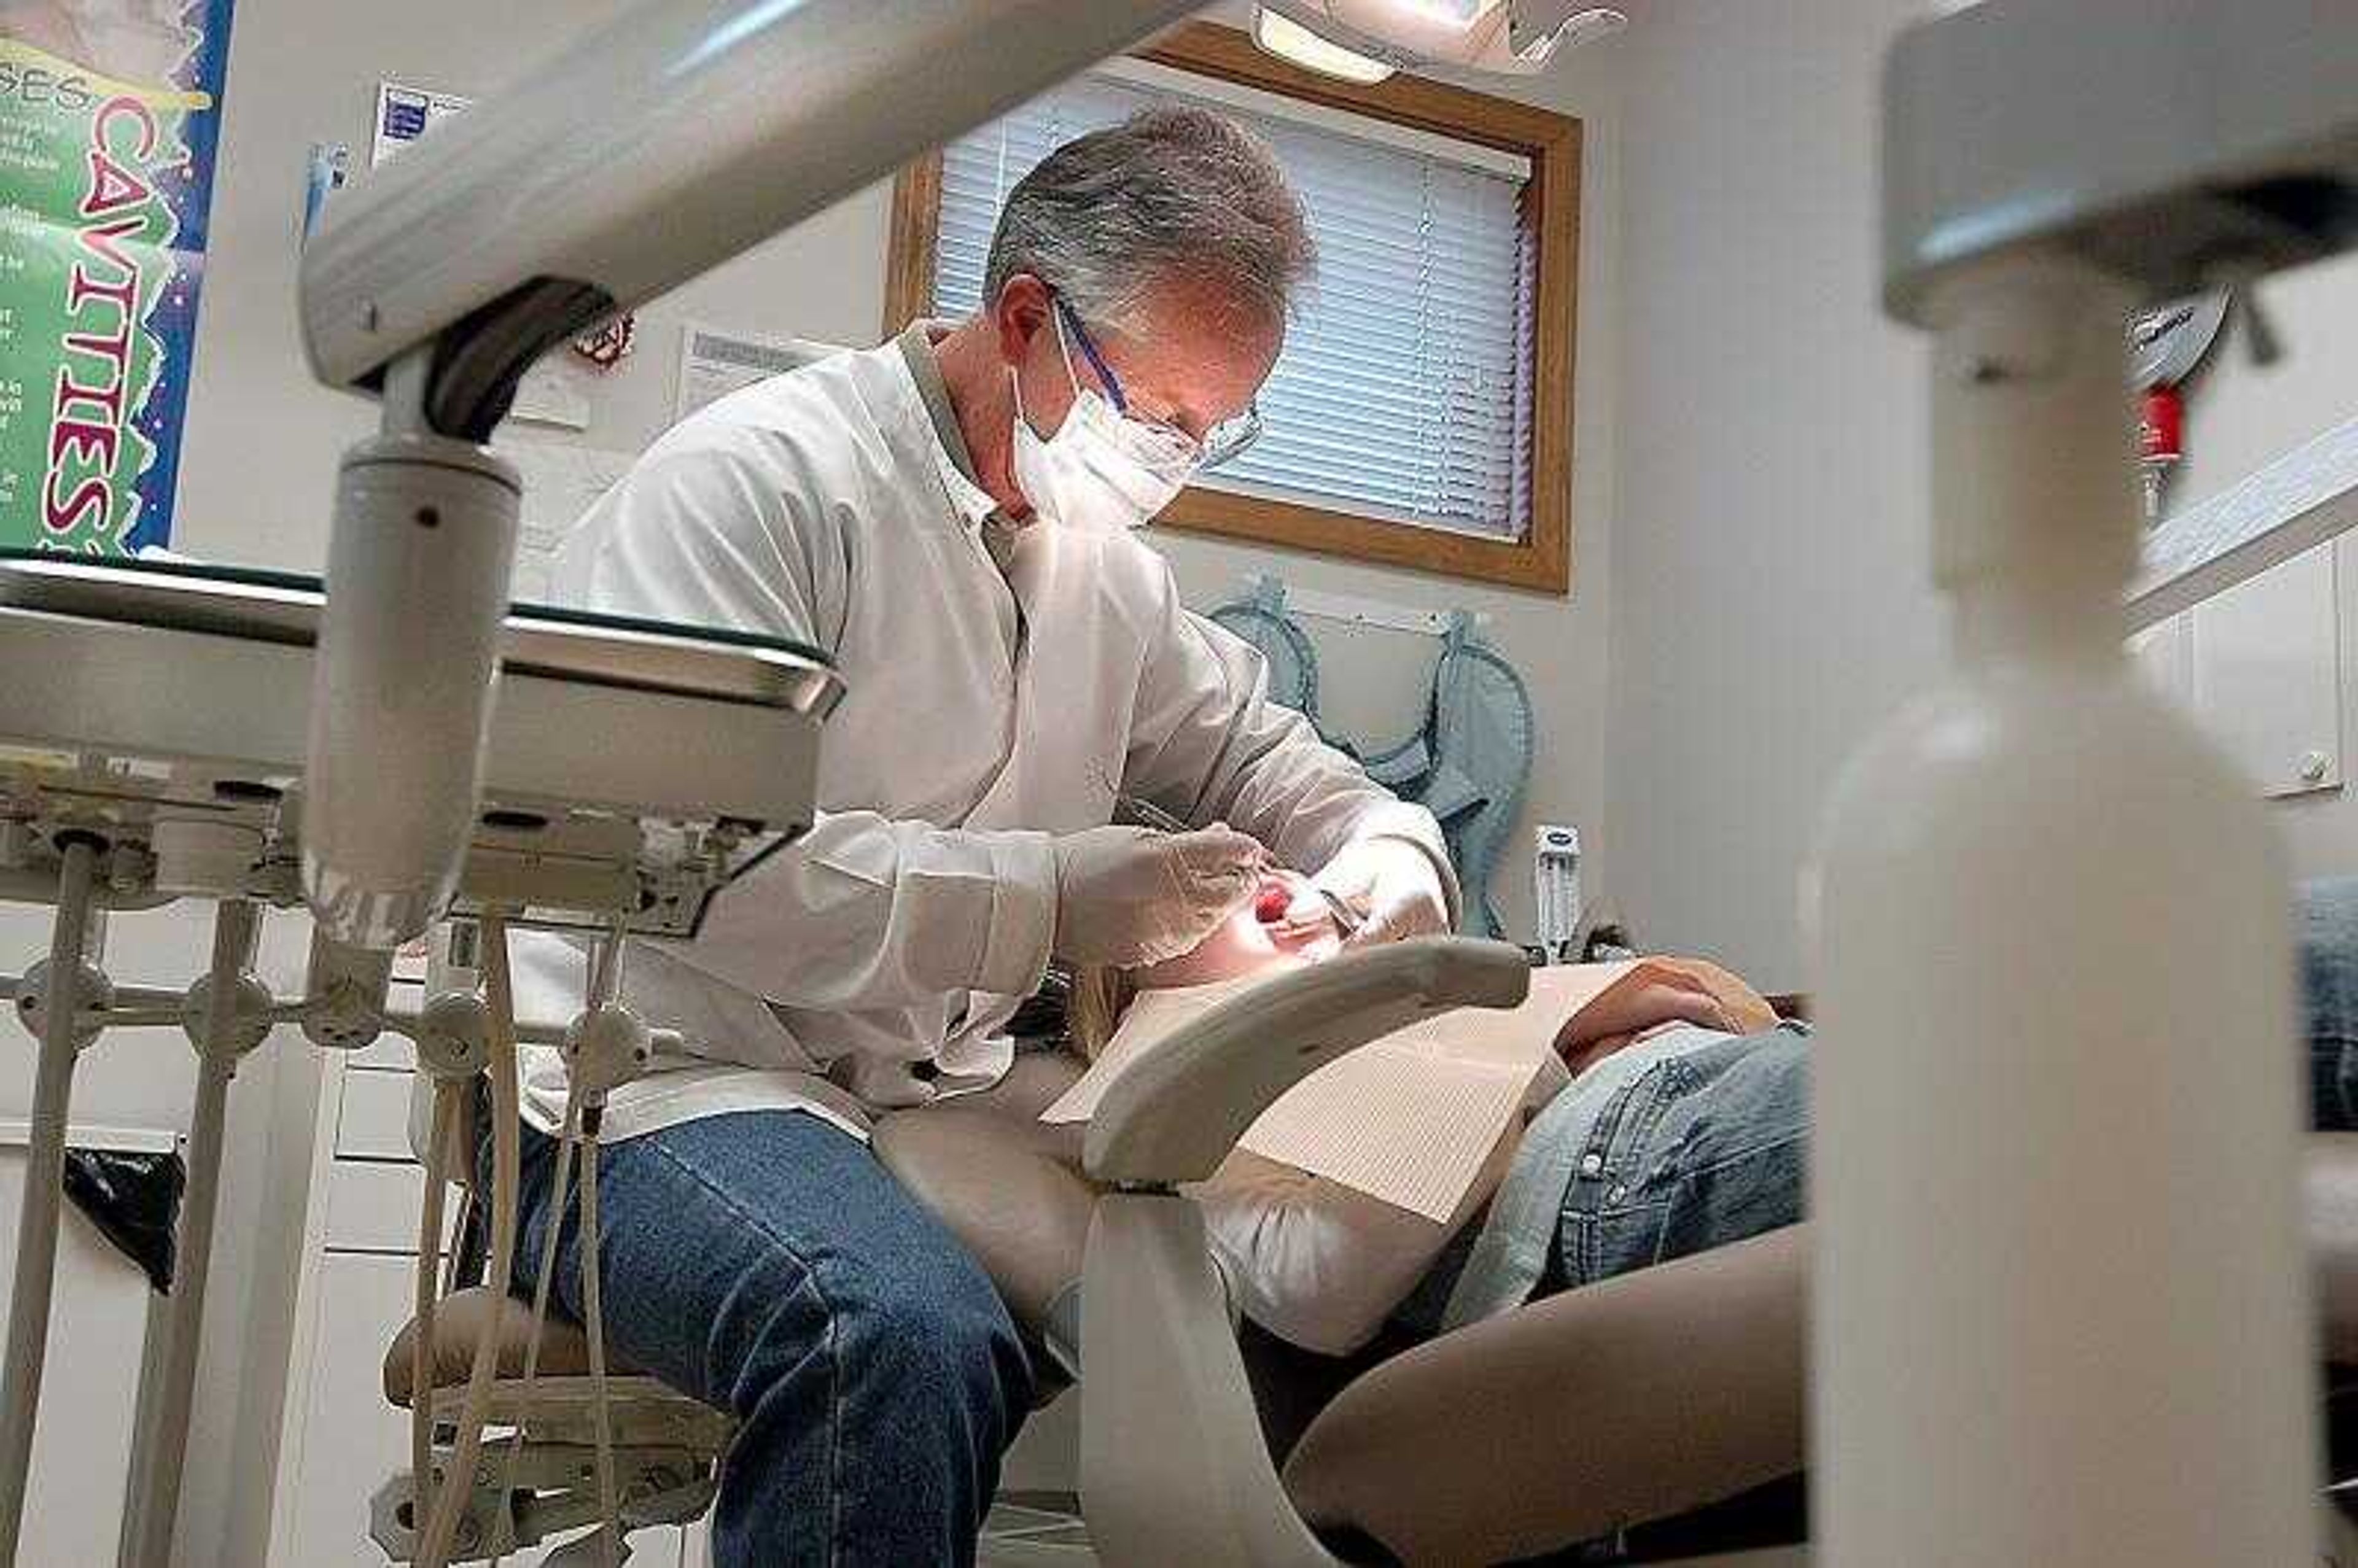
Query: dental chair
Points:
[1674, 1395]
[1657, 1417]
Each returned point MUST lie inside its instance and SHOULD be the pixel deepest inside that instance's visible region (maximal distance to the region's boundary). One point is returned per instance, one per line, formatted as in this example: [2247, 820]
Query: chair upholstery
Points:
[1484, 1445]
[2331, 1206]
[1006, 1184]
[459, 1321]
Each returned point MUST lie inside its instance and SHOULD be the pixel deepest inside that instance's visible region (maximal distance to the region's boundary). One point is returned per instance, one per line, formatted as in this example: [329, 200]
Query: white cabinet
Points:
[2267, 675]
[98, 1321]
[342, 1440]
[351, 1439]
[374, 1123]
[2259, 667]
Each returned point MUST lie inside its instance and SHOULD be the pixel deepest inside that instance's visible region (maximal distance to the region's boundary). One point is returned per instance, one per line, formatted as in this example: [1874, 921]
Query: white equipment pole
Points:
[228, 1015]
[2061, 1311]
[45, 1165]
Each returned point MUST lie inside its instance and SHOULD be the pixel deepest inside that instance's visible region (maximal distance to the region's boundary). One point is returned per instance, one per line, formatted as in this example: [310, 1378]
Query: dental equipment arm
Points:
[2042, 180]
[1176, 1469]
[2189, 146]
[437, 283]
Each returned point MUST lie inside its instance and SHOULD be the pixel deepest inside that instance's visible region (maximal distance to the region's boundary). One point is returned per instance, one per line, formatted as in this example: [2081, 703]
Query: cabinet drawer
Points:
[373, 1122]
[387, 1050]
[372, 1206]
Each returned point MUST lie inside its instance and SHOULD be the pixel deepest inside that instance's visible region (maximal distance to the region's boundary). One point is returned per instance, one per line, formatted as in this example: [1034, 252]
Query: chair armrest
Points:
[1175, 1116]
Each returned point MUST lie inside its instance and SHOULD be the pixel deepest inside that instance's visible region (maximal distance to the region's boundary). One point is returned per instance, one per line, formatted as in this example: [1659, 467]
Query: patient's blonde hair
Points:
[1100, 996]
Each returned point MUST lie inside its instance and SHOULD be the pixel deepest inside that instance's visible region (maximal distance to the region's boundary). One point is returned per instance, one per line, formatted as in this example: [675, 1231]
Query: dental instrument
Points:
[162, 759]
[1146, 814]
[1555, 887]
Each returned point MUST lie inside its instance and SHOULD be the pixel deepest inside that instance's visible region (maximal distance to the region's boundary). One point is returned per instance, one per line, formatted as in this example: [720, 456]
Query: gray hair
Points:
[1172, 194]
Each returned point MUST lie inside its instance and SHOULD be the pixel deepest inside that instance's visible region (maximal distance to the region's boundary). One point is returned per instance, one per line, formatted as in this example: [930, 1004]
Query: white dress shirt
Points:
[987, 710]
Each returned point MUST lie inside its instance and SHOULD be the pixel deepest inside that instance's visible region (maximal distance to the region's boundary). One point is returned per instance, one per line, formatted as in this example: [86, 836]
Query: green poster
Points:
[110, 112]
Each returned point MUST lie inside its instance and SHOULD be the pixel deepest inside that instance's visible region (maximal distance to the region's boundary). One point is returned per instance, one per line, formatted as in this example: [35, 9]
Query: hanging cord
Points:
[610, 1534]
[600, 976]
[448, 1098]
[549, 1247]
[605, 991]
[442, 1525]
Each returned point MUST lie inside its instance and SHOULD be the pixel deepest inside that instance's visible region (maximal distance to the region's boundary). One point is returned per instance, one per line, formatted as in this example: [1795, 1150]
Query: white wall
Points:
[1770, 598]
[263, 438]
[258, 469]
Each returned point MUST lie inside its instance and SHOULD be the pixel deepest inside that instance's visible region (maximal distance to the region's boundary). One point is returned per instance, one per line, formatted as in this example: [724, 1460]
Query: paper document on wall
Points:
[561, 482]
[1411, 1119]
[714, 363]
[405, 113]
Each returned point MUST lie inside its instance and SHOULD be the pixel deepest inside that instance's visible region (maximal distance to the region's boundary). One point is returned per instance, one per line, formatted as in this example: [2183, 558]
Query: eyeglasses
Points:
[1164, 445]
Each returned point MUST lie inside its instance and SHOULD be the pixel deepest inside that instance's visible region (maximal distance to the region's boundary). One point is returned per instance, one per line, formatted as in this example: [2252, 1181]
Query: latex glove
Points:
[1126, 896]
[1391, 885]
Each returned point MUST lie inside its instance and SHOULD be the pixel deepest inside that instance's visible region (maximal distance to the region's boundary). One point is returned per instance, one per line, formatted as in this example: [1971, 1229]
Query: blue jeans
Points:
[1708, 1149]
[766, 1264]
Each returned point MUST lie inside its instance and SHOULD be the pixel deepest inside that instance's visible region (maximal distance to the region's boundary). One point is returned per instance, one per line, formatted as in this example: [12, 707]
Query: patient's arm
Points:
[1662, 990]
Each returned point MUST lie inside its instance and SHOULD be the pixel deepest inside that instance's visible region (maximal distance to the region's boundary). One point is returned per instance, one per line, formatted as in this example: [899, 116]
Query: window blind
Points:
[1404, 389]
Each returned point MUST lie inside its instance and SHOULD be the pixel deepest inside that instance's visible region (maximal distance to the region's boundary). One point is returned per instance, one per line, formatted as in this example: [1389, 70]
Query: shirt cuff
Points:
[1023, 914]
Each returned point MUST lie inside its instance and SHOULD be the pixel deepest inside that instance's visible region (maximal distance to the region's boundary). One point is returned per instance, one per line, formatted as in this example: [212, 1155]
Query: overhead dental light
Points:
[1366, 41]
[1282, 36]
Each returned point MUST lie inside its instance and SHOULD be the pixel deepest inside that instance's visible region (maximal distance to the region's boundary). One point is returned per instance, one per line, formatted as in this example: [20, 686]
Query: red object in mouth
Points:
[1272, 903]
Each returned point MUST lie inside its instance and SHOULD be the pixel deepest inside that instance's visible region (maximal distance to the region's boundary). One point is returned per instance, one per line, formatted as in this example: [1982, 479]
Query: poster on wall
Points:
[110, 116]
[404, 114]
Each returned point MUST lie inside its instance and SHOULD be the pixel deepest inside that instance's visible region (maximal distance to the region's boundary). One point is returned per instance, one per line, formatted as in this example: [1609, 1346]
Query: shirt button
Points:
[1590, 1165]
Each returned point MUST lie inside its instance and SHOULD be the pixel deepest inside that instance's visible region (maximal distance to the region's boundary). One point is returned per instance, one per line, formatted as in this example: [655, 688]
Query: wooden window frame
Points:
[1550, 142]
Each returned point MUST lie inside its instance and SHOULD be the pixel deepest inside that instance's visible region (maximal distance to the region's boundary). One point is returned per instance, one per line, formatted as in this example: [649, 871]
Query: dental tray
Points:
[634, 769]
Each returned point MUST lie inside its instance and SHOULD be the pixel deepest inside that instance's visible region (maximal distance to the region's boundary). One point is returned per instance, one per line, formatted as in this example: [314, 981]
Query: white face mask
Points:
[1086, 476]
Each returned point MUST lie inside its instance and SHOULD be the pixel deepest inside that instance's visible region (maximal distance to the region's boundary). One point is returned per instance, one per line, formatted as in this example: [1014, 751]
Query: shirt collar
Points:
[951, 457]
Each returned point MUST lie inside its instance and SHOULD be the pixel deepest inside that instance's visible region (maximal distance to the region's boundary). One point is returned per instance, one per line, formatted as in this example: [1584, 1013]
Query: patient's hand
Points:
[1663, 994]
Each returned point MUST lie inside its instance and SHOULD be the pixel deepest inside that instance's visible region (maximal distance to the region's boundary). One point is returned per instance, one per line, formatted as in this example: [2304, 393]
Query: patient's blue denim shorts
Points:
[1707, 1146]
[1704, 1148]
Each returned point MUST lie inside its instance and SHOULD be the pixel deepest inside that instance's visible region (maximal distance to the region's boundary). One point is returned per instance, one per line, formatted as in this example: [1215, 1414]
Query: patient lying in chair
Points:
[1323, 1265]
[1680, 1125]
